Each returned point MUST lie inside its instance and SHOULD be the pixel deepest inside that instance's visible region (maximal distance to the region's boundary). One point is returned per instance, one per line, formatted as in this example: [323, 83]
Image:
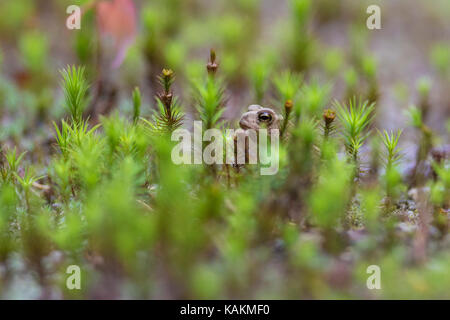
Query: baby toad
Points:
[258, 117]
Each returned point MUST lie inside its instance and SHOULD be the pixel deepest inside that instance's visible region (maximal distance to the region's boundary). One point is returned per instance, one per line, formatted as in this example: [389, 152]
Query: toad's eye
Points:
[265, 117]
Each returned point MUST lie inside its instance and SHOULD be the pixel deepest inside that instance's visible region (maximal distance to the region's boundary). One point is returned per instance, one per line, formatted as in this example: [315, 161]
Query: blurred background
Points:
[255, 40]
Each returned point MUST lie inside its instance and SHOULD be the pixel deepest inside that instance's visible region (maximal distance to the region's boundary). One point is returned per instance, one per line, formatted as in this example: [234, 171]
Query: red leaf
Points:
[117, 19]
